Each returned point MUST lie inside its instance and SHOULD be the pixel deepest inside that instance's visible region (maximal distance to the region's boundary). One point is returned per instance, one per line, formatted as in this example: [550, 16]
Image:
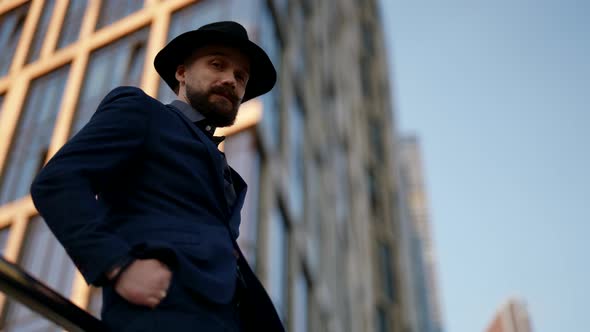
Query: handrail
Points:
[19, 285]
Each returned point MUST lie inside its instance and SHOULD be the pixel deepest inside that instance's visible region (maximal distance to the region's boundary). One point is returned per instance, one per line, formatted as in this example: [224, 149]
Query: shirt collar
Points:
[193, 115]
[197, 118]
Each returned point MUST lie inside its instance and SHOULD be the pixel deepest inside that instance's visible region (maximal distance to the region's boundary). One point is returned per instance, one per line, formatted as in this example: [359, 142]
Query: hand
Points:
[145, 282]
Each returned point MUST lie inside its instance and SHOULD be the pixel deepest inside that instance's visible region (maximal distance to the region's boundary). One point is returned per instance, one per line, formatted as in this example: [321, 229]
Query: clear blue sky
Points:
[499, 94]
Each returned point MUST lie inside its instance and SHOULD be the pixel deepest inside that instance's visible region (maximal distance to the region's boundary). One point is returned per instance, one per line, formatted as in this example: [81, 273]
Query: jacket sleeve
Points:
[65, 190]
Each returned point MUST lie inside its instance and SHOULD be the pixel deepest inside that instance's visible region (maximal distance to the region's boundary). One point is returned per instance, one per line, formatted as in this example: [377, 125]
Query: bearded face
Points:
[219, 104]
[213, 81]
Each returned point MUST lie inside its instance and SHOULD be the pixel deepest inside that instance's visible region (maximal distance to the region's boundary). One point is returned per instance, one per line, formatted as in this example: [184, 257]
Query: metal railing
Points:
[20, 286]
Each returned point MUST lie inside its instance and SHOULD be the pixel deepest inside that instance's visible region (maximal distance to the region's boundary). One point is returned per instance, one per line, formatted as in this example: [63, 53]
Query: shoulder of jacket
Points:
[125, 91]
[131, 93]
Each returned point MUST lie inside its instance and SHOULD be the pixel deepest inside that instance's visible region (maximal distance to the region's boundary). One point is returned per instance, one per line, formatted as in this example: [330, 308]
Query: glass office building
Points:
[319, 225]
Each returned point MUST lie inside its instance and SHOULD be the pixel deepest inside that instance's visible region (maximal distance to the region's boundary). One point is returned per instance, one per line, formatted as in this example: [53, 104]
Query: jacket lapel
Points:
[214, 154]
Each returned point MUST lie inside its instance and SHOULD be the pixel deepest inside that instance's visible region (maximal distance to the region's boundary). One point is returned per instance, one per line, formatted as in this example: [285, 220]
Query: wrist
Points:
[116, 270]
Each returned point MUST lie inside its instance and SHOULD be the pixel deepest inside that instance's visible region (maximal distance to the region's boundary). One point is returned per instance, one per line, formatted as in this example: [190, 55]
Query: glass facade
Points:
[386, 264]
[114, 10]
[382, 323]
[33, 134]
[269, 41]
[277, 261]
[301, 303]
[372, 184]
[243, 156]
[11, 27]
[376, 139]
[1, 103]
[4, 233]
[297, 159]
[43, 257]
[41, 29]
[313, 212]
[119, 63]
[70, 30]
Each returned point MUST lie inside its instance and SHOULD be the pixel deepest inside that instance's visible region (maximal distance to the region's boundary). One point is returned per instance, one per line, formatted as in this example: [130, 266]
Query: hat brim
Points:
[263, 75]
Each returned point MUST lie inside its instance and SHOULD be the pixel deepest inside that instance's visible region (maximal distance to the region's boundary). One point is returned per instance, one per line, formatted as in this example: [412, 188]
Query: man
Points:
[146, 205]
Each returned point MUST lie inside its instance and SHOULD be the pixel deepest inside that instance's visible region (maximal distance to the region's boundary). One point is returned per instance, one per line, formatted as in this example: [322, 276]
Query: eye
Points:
[241, 77]
[216, 64]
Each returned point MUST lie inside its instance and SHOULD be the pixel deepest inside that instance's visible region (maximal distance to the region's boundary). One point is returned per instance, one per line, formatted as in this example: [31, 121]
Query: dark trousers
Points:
[180, 311]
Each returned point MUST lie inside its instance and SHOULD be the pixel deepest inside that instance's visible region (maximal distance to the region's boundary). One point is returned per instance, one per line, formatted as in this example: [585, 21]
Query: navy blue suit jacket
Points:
[142, 180]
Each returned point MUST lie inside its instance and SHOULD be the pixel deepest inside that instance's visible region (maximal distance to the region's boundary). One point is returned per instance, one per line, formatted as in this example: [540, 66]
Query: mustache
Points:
[226, 92]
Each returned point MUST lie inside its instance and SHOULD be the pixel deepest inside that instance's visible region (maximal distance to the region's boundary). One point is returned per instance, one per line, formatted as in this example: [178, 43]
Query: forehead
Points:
[231, 53]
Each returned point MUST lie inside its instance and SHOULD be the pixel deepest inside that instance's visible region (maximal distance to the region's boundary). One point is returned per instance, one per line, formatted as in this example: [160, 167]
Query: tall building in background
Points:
[419, 258]
[513, 316]
[318, 225]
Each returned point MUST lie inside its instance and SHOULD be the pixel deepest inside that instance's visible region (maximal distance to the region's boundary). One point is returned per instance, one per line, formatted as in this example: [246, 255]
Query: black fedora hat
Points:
[262, 72]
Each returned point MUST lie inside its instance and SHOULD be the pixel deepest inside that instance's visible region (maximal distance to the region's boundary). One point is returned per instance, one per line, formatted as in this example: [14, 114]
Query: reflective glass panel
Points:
[114, 10]
[116, 64]
[41, 29]
[297, 136]
[301, 305]
[1, 103]
[269, 41]
[382, 321]
[70, 30]
[11, 27]
[45, 259]
[386, 264]
[243, 156]
[277, 260]
[4, 233]
[33, 134]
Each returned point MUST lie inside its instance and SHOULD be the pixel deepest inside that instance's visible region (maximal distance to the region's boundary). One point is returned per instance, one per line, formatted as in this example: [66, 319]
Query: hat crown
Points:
[229, 27]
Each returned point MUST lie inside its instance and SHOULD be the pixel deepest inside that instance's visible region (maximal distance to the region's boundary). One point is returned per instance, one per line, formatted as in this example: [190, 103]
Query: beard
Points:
[221, 112]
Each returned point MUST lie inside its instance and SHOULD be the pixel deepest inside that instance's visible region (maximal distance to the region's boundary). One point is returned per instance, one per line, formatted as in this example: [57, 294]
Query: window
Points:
[301, 303]
[33, 134]
[11, 27]
[376, 138]
[297, 136]
[382, 324]
[277, 260]
[281, 7]
[114, 10]
[44, 258]
[300, 61]
[72, 22]
[372, 188]
[269, 41]
[116, 64]
[242, 154]
[41, 29]
[313, 212]
[365, 72]
[1, 102]
[386, 265]
[340, 166]
[4, 233]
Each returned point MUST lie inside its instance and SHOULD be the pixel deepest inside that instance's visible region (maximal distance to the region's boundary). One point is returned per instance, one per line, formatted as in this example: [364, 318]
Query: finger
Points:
[163, 294]
[152, 302]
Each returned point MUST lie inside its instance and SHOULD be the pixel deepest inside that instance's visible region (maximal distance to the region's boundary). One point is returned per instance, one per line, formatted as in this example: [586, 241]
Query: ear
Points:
[180, 74]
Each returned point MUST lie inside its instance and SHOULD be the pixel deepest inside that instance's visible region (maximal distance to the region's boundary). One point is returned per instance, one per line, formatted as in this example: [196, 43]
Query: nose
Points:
[229, 80]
